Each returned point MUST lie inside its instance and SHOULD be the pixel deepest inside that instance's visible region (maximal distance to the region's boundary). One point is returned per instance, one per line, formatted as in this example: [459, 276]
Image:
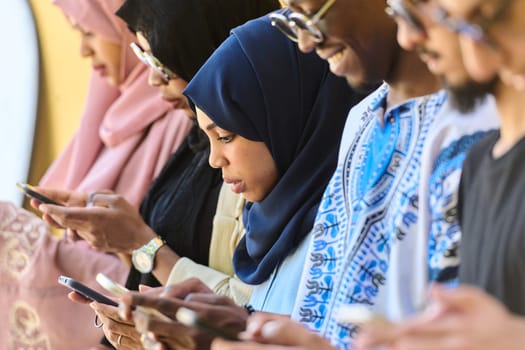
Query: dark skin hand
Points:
[107, 222]
[114, 325]
[192, 294]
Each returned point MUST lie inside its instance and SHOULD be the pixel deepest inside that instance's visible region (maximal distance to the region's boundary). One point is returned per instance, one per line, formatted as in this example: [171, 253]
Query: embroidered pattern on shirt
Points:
[357, 224]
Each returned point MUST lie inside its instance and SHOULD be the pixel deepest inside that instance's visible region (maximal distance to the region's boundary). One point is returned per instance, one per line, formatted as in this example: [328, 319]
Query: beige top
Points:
[227, 231]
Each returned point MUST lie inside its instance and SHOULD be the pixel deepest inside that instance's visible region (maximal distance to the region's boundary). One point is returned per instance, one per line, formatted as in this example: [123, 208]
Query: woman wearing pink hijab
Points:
[127, 132]
[126, 135]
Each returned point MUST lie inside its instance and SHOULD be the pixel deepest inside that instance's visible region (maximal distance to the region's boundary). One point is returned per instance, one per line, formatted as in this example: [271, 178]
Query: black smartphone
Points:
[31, 193]
[85, 291]
[190, 318]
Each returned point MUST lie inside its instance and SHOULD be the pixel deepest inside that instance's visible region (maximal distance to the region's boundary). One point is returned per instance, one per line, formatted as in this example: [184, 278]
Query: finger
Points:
[145, 323]
[73, 235]
[78, 298]
[72, 217]
[124, 342]
[181, 290]
[446, 325]
[462, 297]
[208, 298]
[373, 335]
[101, 199]
[425, 342]
[256, 321]
[165, 305]
[58, 195]
[144, 288]
[290, 333]
[221, 344]
[34, 203]
[50, 221]
[110, 313]
[111, 327]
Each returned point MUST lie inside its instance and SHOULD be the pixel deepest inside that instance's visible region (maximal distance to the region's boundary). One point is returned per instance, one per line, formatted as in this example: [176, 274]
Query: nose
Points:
[305, 41]
[154, 78]
[409, 37]
[216, 158]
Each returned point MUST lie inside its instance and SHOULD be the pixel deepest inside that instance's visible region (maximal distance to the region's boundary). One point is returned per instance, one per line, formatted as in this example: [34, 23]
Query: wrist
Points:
[147, 235]
[144, 257]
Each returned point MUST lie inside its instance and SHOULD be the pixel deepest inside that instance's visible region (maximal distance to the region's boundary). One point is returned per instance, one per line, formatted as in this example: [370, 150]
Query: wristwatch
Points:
[143, 258]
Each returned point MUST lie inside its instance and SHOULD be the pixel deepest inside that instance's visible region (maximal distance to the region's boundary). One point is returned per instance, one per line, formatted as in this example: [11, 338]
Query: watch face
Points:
[142, 261]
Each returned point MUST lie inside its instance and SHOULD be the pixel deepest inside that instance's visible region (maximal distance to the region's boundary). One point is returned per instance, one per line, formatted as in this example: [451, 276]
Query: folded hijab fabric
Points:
[258, 85]
[126, 133]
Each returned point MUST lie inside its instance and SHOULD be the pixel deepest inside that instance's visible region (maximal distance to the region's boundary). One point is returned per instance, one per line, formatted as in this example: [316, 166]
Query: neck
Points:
[409, 78]
[511, 107]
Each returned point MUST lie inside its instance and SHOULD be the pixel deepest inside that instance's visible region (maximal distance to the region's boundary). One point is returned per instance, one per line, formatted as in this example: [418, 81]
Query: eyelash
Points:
[226, 139]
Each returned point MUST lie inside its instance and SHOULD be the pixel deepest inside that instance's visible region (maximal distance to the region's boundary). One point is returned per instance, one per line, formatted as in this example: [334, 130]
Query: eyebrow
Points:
[211, 126]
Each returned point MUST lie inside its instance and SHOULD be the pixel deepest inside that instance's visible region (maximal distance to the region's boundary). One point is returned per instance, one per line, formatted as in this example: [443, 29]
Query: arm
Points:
[217, 281]
[227, 231]
[464, 318]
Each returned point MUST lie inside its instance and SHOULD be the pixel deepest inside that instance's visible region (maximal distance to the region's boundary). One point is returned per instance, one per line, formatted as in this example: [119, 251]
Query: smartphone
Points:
[30, 192]
[190, 318]
[85, 291]
[108, 284]
[118, 290]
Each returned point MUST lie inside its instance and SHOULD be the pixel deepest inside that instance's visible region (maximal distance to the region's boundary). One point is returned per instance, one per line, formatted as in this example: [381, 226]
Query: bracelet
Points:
[249, 308]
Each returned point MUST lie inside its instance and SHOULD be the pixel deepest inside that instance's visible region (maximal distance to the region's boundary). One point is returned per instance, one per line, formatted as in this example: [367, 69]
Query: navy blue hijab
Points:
[258, 85]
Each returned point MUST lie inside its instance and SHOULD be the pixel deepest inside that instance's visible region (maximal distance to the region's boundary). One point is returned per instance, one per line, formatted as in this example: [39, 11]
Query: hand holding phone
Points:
[30, 192]
[190, 318]
[119, 290]
[85, 291]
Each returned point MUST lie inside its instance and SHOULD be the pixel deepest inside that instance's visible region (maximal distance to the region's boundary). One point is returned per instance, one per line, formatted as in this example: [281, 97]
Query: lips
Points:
[174, 101]
[335, 59]
[100, 68]
[237, 186]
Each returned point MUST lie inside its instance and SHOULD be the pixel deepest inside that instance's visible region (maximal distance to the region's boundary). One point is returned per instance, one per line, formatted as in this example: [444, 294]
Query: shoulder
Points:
[478, 152]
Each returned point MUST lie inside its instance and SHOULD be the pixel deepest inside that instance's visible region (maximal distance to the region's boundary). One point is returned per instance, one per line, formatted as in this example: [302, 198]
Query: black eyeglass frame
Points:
[289, 25]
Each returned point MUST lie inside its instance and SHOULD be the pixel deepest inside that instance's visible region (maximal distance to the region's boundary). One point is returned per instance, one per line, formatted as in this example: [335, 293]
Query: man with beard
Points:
[490, 315]
[344, 266]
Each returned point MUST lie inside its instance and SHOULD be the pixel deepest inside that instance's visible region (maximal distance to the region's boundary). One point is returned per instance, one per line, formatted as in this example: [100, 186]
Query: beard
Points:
[466, 97]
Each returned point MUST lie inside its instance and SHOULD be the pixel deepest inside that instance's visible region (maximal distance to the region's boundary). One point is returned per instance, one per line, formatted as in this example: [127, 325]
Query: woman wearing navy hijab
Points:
[274, 117]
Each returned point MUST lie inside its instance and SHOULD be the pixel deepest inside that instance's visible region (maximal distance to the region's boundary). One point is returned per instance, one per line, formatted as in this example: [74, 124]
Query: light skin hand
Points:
[274, 332]
[466, 319]
[114, 327]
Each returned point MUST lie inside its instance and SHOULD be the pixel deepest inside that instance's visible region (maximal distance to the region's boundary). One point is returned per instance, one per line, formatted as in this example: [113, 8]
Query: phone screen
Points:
[85, 291]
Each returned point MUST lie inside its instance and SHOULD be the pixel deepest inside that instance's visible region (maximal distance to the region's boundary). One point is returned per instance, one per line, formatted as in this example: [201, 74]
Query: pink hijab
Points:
[126, 134]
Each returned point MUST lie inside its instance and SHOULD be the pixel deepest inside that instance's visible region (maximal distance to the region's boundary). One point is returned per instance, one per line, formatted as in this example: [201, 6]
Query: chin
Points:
[361, 86]
[112, 81]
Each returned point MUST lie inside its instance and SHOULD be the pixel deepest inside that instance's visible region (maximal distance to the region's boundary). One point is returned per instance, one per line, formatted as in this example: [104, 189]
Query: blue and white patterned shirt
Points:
[369, 243]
